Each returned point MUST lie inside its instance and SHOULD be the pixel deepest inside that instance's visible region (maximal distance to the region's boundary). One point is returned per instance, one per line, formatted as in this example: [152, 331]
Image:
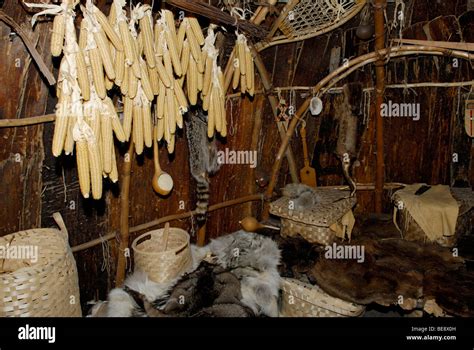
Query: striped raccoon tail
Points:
[202, 194]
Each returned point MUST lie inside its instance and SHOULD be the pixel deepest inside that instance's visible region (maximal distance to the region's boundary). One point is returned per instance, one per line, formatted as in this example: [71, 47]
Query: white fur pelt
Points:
[252, 258]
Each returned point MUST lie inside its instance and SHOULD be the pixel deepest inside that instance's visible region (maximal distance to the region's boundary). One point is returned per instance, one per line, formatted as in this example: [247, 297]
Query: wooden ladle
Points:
[250, 224]
[162, 182]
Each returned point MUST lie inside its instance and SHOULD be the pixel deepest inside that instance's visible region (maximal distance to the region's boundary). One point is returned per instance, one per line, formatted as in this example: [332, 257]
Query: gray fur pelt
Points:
[303, 196]
[252, 258]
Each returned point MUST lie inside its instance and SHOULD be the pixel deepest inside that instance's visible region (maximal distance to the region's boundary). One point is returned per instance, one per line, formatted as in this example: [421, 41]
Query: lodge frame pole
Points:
[379, 7]
[124, 214]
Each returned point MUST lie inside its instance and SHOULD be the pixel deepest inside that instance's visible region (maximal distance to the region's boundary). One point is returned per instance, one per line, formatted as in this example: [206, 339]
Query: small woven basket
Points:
[305, 300]
[161, 260]
[313, 223]
[43, 284]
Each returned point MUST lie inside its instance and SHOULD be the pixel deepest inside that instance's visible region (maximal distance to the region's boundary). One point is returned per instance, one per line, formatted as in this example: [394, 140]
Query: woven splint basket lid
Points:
[330, 208]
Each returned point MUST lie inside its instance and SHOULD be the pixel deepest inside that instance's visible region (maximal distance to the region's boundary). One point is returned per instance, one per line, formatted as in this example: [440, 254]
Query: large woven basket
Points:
[162, 265]
[305, 300]
[313, 223]
[38, 285]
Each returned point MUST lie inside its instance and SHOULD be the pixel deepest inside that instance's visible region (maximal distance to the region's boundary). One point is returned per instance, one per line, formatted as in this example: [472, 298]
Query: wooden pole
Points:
[267, 87]
[379, 95]
[173, 217]
[124, 215]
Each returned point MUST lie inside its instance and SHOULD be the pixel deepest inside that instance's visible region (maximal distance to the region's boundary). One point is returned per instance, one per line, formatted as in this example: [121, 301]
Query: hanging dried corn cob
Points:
[244, 71]
[69, 105]
[171, 102]
[213, 88]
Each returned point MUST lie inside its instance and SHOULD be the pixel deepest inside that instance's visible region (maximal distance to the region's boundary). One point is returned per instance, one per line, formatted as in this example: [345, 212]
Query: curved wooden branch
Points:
[30, 46]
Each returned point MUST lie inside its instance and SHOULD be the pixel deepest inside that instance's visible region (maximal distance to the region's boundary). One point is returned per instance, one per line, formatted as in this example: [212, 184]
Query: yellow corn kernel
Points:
[132, 84]
[197, 31]
[173, 52]
[82, 160]
[95, 168]
[107, 142]
[127, 42]
[160, 101]
[147, 125]
[127, 116]
[145, 82]
[207, 74]
[138, 128]
[60, 125]
[109, 31]
[57, 36]
[82, 76]
[192, 80]
[147, 37]
[154, 80]
[104, 50]
[171, 109]
[160, 129]
[97, 72]
[163, 73]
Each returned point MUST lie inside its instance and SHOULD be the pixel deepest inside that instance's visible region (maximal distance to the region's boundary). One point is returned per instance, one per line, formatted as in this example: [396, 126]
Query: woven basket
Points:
[305, 300]
[162, 265]
[313, 223]
[42, 286]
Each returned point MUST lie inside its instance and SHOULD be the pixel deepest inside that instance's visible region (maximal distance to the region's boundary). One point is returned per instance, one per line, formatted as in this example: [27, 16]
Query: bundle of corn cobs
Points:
[150, 61]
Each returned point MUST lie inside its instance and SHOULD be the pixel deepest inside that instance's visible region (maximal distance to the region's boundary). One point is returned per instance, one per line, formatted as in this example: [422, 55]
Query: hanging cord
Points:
[398, 18]
[106, 256]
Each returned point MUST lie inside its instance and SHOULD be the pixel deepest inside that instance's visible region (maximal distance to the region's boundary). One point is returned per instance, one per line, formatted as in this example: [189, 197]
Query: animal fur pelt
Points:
[209, 291]
[254, 260]
[303, 196]
[202, 159]
[391, 268]
[241, 279]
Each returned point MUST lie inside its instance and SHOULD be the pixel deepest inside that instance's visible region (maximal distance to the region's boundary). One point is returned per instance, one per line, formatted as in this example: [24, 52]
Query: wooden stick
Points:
[173, 217]
[364, 59]
[267, 86]
[379, 9]
[264, 11]
[390, 52]
[201, 236]
[124, 215]
[288, 7]
[443, 44]
[10, 123]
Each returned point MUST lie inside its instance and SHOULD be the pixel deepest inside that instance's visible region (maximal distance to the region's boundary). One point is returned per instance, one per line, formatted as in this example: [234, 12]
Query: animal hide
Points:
[240, 280]
[254, 260]
[209, 291]
[303, 196]
[391, 268]
[202, 158]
